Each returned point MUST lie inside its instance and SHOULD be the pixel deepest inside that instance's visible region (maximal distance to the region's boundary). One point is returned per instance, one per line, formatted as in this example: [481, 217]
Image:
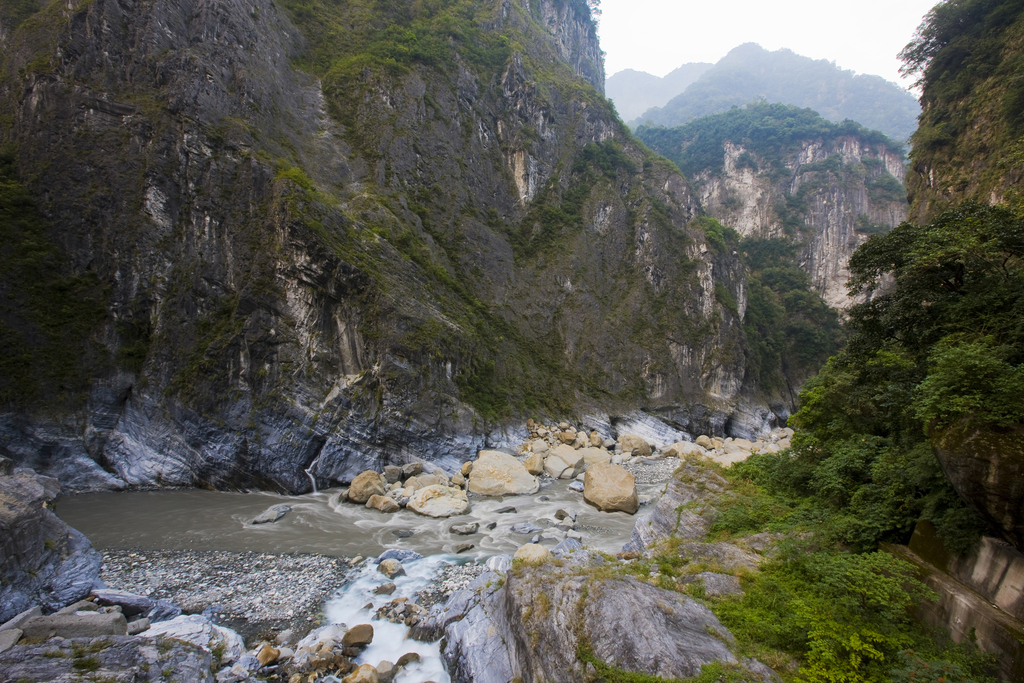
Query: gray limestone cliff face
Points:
[314, 278]
[833, 197]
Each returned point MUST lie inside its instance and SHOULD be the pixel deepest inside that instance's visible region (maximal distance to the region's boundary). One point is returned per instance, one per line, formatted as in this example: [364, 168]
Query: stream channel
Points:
[318, 523]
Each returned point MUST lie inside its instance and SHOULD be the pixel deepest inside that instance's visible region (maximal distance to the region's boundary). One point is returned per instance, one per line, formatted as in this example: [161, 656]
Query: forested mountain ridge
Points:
[422, 223]
[634, 92]
[776, 172]
[750, 73]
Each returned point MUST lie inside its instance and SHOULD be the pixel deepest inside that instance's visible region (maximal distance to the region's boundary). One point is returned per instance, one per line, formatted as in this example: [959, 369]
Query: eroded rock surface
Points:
[115, 658]
[43, 561]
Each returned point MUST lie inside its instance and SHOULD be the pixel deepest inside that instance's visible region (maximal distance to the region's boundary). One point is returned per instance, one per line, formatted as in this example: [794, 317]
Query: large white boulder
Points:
[198, 630]
[499, 474]
[439, 501]
[610, 488]
[593, 456]
[631, 443]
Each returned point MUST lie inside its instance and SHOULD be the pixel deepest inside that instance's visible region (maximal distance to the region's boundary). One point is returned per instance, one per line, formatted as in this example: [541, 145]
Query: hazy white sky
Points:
[657, 36]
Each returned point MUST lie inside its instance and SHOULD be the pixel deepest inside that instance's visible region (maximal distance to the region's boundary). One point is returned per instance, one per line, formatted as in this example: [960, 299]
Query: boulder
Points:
[534, 463]
[400, 554]
[9, 638]
[500, 474]
[458, 479]
[716, 585]
[138, 626]
[198, 630]
[464, 529]
[631, 443]
[272, 514]
[610, 488]
[366, 484]
[392, 474]
[386, 670]
[681, 449]
[383, 503]
[411, 469]
[595, 440]
[385, 589]
[130, 603]
[407, 659]
[358, 636]
[704, 441]
[420, 481]
[467, 467]
[391, 568]
[43, 561]
[440, 501]
[366, 673]
[532, 553]
[566, 437]
[539, 446]
[112, 658]
[594, 455]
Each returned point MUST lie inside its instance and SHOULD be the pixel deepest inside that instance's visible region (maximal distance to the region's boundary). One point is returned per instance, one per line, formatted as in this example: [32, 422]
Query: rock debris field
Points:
[256, 594]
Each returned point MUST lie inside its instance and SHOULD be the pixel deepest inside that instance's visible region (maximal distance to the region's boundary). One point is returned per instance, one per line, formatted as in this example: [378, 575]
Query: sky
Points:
[657, 36]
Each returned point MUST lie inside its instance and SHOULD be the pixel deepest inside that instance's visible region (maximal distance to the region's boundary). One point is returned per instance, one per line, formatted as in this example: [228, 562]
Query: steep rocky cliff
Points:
[776, 172]
[970, 140]
[302, 238]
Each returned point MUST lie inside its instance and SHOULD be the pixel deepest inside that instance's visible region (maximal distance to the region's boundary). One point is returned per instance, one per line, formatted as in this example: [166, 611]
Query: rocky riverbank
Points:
[258, 595]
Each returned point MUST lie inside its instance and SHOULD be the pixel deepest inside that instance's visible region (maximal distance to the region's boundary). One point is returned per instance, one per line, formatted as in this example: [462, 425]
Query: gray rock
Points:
[464, 529]
[525, 528]
[629, 624]
[476, 635]
[115, 658]
[80, 606]
[499, 563]
[130, 603]
[272, 514]
[492, 526]
[666, 519]
[9, 638]
[505, 510]
[576, 486]
[79, 625]
[411, 469]
[6, 466]
[463, 547]
[163, 610]
[199, 630]
[392, 474]
[138, 626]
[716, 585]
[17, 621]
[725, 555]
[567, 546]
[45, 562]
[398, 554]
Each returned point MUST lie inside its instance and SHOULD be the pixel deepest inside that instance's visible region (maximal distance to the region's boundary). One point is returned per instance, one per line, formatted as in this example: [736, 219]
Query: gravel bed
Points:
[256, 594]
[647, 471]
[451, 578]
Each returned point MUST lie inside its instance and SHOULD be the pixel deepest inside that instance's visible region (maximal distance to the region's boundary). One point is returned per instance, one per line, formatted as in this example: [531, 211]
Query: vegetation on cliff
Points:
[769, 130]
[968, 56]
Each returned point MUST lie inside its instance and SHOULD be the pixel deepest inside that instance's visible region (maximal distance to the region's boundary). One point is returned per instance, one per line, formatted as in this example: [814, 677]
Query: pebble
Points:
[256, 594]
[652, 471]
[451, 578]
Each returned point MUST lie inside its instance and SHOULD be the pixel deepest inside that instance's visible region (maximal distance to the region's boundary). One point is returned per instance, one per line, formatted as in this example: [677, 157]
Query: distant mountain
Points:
[749, 72]
[634, 92]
